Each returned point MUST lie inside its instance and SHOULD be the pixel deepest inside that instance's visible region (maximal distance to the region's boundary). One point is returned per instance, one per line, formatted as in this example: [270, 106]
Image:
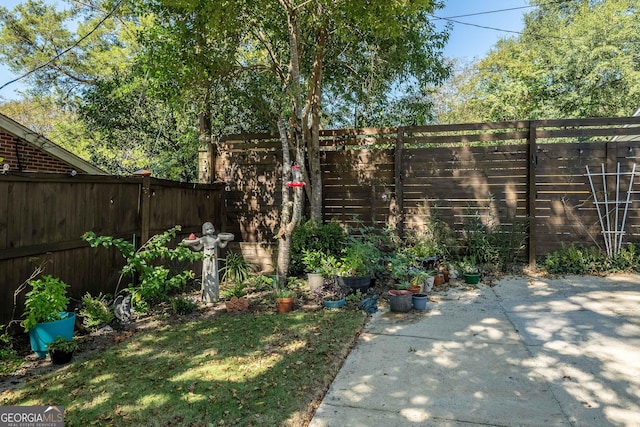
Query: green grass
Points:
[250, 369]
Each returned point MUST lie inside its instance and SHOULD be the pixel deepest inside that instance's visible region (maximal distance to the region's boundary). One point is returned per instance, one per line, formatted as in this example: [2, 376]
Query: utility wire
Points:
[504, 10]
[59, 55]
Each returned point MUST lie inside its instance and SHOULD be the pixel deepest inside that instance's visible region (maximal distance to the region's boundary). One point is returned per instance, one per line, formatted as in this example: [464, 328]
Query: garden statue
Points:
[210, 243]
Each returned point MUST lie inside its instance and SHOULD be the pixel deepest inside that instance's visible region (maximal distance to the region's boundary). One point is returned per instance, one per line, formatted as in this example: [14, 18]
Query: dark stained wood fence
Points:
[510, 173]
[43, 216]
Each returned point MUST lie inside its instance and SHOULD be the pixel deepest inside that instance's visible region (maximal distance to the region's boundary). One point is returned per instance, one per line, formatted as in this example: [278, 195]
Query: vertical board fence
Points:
[43, 216]
[527, 175]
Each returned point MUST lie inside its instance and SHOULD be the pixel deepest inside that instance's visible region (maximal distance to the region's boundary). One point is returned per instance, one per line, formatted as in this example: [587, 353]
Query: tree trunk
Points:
[313, 142]
[206, 152]
[291, 210]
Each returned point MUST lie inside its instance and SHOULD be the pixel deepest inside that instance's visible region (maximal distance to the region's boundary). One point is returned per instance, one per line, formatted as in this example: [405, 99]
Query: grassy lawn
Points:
[251, 369]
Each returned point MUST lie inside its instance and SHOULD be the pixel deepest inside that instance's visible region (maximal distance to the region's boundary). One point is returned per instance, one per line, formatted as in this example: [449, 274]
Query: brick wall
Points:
[25, 157]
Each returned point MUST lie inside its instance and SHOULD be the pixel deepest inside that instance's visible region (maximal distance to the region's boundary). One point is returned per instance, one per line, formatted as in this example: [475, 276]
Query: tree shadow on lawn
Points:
[249, 369]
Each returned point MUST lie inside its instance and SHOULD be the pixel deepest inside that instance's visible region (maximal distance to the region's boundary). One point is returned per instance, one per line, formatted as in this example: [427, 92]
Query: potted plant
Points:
[356, 265]
[284, 300]
[45, 315]
[318, 265]
[423, 280]
[61, 350]
[331, 294]
[235, 298]
[470, 271]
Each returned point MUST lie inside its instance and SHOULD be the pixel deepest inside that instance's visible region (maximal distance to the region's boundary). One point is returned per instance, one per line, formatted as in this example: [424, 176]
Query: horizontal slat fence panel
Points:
[402, 176]
[43, 216]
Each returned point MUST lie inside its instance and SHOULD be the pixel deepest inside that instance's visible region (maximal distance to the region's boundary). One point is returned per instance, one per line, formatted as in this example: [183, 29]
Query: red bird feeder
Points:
[295, 170]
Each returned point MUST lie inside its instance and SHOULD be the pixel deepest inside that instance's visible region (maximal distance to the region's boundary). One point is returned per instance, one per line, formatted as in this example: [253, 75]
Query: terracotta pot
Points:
[284, 305]
[438, 280]
[414, 289]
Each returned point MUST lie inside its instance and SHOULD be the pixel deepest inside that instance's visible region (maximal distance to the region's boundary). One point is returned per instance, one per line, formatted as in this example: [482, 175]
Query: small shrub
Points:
[149, 280]
[570, 259]
[9, 358]
[46, 300]
[235, 290]
[97, 311]
[327, 238]
[236, 269]
[491, 242]
[63, 344]
[183, 306]
[625, 260]
[260, 283]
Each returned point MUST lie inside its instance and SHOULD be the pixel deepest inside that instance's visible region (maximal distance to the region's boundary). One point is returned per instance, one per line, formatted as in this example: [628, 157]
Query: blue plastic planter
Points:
[334, 304]
[44, 333]
[420, 301]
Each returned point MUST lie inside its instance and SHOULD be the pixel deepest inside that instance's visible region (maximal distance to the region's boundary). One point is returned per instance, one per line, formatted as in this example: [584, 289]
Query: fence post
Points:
[145, 209]
[531, 193]
[399, 180]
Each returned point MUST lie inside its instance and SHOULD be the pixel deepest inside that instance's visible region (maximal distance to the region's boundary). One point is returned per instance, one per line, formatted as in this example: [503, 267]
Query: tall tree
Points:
[303, 53]
[37, 41]
[575, 58]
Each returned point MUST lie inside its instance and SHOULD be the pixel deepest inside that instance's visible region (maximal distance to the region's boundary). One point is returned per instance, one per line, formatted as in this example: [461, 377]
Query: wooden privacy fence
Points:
[509, 172]
[43, 216]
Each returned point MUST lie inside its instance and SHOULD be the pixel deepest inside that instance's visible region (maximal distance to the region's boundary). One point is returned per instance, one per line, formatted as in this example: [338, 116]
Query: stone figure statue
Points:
[210, 242]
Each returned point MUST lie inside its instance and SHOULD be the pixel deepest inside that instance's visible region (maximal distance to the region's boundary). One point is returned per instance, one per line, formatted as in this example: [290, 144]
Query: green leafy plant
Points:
[490, 242]
[235, 269]
[320, 262]
[404, 284]
[45, 301]
[572, 259]
[420, 276]
[63, 344]
[313, 260]
[9, 358]
[183, 306]
[149, 280]
[285, 293]
[97, 311]
[358, 259]
[569, 259]
[468, 266]
[327, 238]
[260, 283]
[354, 298]
[235, 290]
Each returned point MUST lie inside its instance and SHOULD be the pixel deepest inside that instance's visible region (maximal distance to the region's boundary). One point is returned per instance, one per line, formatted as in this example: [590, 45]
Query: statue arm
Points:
[194, 244]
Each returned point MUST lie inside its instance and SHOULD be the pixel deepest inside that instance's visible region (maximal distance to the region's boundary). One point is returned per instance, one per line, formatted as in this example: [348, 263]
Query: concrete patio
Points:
[526, 352]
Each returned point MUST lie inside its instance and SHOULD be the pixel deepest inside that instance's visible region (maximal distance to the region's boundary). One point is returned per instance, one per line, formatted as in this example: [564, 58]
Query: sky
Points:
[468, 38]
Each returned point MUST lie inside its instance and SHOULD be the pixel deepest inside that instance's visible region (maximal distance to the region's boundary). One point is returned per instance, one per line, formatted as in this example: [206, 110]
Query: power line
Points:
[59, 55]
[505, 10]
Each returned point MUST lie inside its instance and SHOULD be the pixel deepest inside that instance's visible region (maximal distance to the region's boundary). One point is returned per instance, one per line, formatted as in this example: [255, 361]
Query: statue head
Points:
[208, 229]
